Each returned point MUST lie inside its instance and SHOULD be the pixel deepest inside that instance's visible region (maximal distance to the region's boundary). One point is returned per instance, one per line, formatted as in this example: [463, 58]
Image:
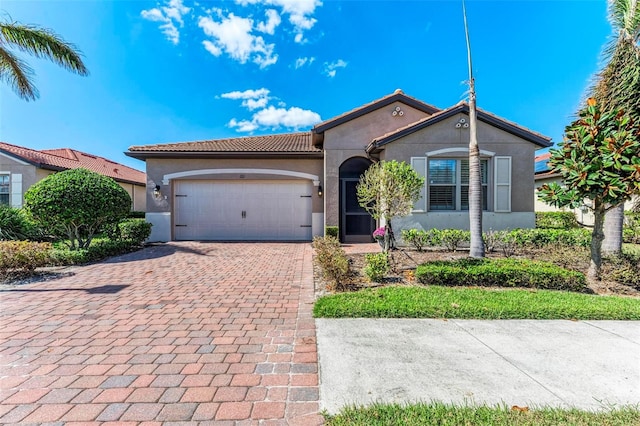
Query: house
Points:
[291, 186]
[21, 167]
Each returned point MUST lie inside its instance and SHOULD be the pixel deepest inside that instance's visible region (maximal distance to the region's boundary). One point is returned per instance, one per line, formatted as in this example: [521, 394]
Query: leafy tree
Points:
[475, 178]
[77, 203]
[36, 41]
[617, 85]
[599, 162]
[389, 189]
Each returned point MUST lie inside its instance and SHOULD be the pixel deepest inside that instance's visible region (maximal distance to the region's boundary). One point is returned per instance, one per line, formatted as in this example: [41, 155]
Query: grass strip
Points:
[449, 415]
[475, 303]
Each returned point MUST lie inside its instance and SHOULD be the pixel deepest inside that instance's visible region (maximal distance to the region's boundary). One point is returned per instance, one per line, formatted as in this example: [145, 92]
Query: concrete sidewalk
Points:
[585, 364]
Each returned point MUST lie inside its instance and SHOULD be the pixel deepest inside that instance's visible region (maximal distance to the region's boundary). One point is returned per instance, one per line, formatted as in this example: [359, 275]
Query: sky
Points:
[177, 70]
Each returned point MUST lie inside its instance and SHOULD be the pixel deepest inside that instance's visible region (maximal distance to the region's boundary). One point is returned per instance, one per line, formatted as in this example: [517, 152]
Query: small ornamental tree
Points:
[599, 162]
[389, 189]
[77, 203]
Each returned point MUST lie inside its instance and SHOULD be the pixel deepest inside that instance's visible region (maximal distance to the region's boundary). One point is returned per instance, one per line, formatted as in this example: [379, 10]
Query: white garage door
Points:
[242, 210]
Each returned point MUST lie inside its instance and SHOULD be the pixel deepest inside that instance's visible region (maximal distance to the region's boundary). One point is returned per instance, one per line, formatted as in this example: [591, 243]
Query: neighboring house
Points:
[21, 167]
[544, 175]
[291, 186]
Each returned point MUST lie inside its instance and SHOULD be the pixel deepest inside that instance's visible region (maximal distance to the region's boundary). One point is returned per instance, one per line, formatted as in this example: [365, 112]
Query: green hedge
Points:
[506, 272]
[98, 250]
[556, 220]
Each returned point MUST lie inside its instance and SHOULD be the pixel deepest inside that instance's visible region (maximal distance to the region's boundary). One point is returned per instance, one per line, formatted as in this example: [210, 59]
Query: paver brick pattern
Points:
[191, 332]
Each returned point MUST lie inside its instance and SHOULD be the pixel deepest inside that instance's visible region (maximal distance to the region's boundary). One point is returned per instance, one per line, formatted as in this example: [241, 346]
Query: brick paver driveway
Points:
[183, 332]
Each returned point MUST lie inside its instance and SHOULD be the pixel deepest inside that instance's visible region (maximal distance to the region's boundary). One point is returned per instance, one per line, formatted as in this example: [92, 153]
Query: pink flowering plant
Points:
[378, 234]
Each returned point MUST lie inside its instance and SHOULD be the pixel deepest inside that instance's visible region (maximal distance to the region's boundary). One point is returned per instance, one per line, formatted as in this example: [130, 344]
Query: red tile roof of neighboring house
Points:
[286, 143]
[66, 158]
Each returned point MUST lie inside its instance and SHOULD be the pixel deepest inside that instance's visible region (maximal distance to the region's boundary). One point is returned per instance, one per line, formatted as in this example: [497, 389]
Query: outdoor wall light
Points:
[319, 190]
[156, 192]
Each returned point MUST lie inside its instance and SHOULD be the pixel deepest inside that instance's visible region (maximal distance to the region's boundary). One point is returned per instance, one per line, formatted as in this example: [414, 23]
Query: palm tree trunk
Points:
[613, 223]
[596, 242]
[475, 184]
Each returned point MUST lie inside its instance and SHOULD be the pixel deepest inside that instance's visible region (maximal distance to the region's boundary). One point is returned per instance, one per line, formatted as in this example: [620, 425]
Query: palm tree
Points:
[618, 86]
[38, 42]
[475, 184]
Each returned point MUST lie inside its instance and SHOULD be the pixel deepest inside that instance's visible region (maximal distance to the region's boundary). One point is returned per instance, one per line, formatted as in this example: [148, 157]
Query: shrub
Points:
[136, 215]
[631, 230]
[134, 230]
[556, 220]
[417, 238]
[77, 203]
[99, 249]
[500, 273]
[452, 238]
[22, 257]
[624, 268]
[331, 231]
[376, 266]
[13, 224]
[332, 260]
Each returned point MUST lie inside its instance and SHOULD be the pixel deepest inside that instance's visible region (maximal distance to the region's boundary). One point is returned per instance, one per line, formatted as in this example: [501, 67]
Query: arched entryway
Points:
[356, 225]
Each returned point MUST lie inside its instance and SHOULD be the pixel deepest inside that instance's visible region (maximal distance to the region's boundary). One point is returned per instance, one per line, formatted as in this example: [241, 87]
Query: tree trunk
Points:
[613, 223]
[596, 242]
[475, 184]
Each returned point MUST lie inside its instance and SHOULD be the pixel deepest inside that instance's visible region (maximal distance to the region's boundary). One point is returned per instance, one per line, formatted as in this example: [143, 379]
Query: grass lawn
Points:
[447, 415]
[474, 303]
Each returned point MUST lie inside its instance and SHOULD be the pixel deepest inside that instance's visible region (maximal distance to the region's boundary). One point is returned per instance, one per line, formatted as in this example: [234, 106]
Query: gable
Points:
[398, 105]
[490, 128]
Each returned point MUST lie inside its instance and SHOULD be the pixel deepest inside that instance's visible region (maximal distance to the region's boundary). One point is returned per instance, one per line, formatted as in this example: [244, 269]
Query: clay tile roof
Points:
[280, 143]
[66, 158]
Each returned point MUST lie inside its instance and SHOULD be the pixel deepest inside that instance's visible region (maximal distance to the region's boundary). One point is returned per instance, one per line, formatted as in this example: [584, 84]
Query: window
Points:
[448, 181]
[4, 189]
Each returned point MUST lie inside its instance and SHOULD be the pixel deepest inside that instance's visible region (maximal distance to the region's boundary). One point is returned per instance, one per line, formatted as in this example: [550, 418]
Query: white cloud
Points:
[300, 13]
[170, 16]
[273, 20]
[232, 35]
[268, 117]
[251, 99]
[331, 68]
[293, 118]
[300, 62]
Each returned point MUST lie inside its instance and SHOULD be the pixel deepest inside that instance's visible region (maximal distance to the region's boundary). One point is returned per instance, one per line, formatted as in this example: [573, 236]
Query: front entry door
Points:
[356, 225]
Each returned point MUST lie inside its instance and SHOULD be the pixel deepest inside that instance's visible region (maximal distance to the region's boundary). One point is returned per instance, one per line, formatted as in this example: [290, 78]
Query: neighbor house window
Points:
[448, 181]
[4, 189]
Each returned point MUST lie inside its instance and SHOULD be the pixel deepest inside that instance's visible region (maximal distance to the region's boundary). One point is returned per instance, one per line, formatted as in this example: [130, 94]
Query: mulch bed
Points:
[405, 260]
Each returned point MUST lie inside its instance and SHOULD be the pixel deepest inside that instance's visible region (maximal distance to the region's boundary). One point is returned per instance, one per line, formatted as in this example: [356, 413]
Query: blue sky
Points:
[179, 70]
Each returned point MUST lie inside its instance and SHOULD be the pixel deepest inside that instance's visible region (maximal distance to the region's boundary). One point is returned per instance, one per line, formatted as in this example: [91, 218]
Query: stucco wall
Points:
[138, 194]
[444, 135]
[350, 139]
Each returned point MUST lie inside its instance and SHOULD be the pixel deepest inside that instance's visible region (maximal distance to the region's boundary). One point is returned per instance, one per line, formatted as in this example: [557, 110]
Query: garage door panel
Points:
[213, 210]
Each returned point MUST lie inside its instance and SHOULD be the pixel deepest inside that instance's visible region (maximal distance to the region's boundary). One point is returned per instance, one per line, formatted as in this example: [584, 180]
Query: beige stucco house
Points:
[291, 186]
[21, 167]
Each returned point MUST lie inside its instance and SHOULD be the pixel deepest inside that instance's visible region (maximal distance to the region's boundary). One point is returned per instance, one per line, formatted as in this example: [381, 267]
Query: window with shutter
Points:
[448, 183]
[4, 189]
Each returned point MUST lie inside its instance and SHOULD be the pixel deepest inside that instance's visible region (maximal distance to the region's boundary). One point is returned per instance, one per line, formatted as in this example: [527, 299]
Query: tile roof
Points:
[66, 158]
[485, 116]
[281, 143]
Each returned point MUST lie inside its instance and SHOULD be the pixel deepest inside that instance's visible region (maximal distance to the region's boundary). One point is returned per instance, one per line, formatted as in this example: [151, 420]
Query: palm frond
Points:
[625, 17]
[17, 74]
[42, 43]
